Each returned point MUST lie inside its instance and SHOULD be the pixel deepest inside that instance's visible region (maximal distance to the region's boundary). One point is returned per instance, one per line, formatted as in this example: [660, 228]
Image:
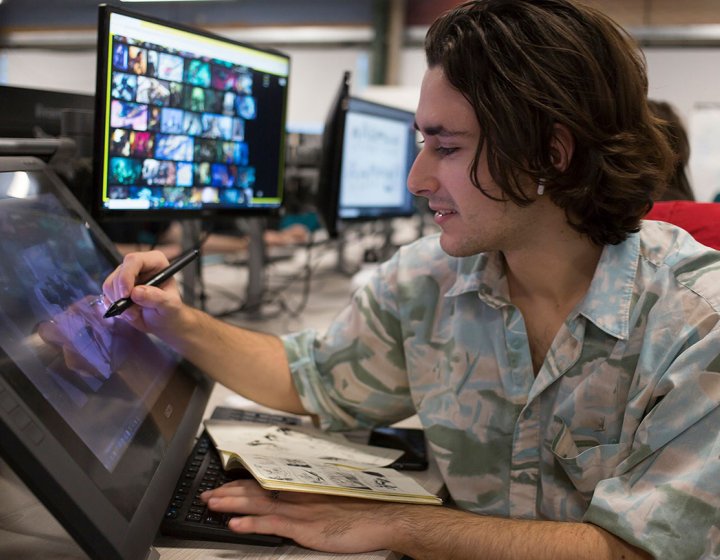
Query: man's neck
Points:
[546, 280]
[556, 270]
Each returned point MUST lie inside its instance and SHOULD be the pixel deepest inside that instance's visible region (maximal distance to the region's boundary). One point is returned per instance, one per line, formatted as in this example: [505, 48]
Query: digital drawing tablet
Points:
[96, 418]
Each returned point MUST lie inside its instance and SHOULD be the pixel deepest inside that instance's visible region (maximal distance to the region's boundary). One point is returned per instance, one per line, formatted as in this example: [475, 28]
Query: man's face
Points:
[470, 221]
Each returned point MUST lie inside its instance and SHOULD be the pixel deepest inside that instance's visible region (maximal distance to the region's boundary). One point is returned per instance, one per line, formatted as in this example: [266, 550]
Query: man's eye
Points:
[443, 151]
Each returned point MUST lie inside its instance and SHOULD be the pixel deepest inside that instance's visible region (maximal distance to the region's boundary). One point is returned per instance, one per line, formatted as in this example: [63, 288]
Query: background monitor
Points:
[56, 126]
[35, 113]
[188, 124]
[368, 150]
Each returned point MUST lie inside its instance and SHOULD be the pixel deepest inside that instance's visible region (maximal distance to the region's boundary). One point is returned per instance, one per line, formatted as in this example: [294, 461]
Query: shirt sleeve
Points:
[354, 376]
[665, 497]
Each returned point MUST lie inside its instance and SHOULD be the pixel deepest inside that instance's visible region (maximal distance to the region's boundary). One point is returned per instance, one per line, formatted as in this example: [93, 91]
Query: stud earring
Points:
[541, 187]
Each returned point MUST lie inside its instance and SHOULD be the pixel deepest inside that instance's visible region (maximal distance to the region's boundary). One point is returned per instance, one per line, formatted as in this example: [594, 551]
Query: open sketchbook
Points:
[304, 459]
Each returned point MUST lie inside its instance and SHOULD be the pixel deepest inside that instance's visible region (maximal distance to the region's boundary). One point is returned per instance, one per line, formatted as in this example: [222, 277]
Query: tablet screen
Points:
[111, 395]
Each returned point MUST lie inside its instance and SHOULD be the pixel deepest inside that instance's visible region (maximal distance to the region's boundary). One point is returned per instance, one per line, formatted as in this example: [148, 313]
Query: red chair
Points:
[699, 219]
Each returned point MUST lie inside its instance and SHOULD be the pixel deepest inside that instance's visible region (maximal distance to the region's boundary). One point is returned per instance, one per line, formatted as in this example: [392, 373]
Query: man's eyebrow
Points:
[439, 130]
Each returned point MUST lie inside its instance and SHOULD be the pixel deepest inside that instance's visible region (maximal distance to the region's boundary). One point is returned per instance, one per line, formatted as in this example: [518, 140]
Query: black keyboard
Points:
[241, 414]
[187, 516]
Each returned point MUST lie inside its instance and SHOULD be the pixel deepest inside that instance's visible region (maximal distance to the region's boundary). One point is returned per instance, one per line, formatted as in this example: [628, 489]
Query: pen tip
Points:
[111, 312]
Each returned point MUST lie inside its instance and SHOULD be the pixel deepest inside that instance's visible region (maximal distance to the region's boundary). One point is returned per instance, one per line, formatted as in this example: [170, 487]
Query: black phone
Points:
[409, 440]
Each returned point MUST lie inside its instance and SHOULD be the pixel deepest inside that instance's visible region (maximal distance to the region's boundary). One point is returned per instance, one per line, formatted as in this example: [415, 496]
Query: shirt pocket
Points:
[588, 467]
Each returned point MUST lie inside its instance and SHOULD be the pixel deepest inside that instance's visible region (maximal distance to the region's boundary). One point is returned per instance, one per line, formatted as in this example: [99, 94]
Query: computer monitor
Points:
[188, 124]
[368, 150]
[55, 126]
[37, 113]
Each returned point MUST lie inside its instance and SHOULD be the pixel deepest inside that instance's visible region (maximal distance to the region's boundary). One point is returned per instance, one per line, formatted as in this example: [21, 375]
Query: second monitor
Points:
[368, 150]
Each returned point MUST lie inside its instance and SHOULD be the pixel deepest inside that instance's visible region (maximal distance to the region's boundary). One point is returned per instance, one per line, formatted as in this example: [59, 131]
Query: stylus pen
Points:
[178, 264]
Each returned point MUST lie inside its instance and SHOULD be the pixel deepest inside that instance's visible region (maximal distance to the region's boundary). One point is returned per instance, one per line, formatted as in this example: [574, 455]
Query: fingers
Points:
[265, 525]
[260, 511]
[326, 523]
[134, 268]
[152, 303]
[248, 498]
[251, 490]
[242, 496]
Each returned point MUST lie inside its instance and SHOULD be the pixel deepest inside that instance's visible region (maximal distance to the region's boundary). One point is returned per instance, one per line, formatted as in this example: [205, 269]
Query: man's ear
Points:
[562, 147]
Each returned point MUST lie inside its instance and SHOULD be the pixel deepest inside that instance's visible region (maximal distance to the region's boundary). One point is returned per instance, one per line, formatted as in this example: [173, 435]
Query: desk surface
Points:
[29, 531]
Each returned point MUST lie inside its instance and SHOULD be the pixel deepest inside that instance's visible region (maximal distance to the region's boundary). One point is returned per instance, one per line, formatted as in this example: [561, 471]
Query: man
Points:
[561, 354]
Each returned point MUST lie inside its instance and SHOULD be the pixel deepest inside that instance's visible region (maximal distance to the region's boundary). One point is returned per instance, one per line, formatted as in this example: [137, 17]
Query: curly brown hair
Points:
[526, 66]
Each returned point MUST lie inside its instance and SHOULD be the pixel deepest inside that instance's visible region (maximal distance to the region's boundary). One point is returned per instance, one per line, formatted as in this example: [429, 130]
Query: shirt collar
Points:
[484, 274]
[608, 300]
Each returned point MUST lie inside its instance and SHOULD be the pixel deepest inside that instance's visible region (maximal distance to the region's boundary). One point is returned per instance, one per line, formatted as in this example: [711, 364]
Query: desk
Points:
[29, 531]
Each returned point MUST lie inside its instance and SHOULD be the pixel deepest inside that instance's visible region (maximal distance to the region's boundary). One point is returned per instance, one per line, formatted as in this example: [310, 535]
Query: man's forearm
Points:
[442, 533]
[252, 364]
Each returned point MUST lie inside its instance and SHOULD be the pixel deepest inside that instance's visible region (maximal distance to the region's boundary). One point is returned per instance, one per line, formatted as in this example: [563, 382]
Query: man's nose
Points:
[421, 179]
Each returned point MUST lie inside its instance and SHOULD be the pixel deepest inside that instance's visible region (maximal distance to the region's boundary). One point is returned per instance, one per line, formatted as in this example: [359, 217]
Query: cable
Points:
[274, 296]
[306, 285]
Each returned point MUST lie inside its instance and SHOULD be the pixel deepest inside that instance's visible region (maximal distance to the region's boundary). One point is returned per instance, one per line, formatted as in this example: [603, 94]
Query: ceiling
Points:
[73, 14]
[695, 22]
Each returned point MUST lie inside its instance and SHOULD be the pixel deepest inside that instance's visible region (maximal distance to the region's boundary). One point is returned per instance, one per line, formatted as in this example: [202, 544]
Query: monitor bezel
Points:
[330, 161]
[51, 472]
[102, 214]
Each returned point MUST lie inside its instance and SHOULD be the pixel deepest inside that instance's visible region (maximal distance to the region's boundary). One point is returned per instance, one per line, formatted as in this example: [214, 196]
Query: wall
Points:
[681, 74]
[626, 12]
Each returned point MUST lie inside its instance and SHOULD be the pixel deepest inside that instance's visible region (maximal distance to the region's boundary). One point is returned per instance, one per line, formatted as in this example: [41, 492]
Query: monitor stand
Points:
[192, 284]
[256, 266]
[193, 291]
[382, 229]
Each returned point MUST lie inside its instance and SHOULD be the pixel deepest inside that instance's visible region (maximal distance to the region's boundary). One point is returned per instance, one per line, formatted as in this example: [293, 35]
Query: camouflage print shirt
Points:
[619, 427]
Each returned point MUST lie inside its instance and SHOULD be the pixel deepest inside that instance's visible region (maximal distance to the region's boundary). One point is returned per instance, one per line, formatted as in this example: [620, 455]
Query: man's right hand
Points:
[250, 363]
[156, 308]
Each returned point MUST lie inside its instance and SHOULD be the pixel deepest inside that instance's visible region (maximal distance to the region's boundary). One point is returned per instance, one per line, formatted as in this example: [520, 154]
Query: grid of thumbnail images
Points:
[177, 129]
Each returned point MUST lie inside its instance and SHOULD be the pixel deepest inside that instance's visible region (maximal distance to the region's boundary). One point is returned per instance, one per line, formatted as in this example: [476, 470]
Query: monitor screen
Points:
[188, 124]
[368, 150]
[97, 417]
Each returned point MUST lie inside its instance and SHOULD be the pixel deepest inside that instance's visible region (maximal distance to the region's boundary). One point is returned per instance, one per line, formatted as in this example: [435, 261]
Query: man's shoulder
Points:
[673, 250]
[665, 244]
[700, 219]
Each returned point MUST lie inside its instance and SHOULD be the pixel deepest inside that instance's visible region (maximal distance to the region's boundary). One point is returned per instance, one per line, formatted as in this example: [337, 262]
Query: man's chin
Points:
[458, 248]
